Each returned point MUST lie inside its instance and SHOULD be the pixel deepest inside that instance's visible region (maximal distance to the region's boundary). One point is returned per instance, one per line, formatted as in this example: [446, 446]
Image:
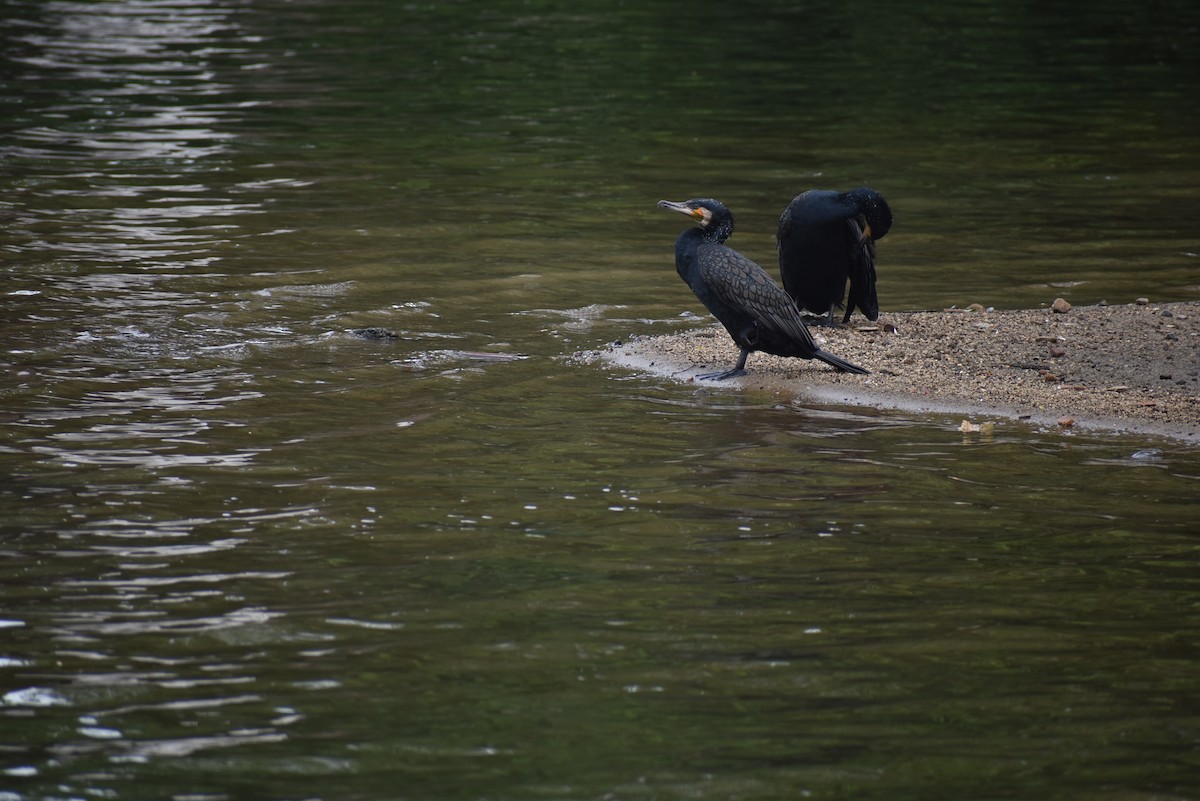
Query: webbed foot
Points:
[733, 372]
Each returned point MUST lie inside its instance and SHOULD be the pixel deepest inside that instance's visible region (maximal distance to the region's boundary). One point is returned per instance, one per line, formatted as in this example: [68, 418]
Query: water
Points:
[248, 555]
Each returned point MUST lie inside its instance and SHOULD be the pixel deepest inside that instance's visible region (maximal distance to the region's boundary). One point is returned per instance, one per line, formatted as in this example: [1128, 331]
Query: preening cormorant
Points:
[826, 237]
[754, 310]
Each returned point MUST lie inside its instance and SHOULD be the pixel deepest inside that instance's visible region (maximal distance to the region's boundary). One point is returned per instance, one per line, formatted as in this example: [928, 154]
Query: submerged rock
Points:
[374, 333]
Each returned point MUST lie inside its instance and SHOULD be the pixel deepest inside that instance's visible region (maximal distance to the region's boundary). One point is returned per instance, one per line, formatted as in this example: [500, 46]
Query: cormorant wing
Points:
[784, 232]
[742, 284]
[861, 270]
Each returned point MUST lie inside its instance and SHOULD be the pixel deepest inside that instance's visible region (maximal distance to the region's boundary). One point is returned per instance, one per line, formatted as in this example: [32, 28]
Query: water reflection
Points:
[128, 116]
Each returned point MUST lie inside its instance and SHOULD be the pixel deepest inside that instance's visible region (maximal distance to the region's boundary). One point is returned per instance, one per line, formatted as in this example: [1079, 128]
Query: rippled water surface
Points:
[249, 555]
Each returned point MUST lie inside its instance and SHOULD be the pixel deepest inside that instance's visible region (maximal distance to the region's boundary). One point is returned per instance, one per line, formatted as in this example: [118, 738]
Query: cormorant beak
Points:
[700, 214]
[866, 234]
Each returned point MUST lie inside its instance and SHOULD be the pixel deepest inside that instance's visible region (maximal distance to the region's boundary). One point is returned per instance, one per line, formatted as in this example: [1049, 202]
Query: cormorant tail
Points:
[839, 364]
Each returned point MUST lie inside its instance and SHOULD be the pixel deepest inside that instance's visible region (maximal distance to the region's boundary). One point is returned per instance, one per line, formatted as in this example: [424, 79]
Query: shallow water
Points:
[249, 555]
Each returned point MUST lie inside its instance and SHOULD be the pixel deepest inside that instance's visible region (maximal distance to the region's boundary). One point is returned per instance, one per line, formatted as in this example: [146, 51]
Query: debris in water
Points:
[484, 356]
[986, 429]
[374, 333]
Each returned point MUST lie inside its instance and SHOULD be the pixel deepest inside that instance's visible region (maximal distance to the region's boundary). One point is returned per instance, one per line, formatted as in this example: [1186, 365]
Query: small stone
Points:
[1060, 305]
[1165, 377]
[1142, 301]
[1056, 351]
[976, 307]
[1066, 421]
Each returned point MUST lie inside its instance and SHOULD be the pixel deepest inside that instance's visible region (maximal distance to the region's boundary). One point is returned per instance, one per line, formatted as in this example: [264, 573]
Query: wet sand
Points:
[1130, 368]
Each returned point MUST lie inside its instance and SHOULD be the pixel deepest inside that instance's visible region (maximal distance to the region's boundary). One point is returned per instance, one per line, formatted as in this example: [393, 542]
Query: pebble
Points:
[1060, 305]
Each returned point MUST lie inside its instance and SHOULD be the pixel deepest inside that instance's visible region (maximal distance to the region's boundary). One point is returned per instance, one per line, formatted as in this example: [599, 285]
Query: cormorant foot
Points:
[819, 320]
[812, 321]
[722, 375]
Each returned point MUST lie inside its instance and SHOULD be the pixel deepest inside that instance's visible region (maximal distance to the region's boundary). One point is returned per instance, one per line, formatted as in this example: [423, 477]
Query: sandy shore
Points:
[1121, 368]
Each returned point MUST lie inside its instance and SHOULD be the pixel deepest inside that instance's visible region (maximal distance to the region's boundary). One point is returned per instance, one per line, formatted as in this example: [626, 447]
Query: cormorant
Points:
[754, 310]
[826, 237]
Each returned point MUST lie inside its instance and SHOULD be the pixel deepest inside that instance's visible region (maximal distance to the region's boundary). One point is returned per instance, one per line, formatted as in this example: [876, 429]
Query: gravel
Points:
[1131, 367]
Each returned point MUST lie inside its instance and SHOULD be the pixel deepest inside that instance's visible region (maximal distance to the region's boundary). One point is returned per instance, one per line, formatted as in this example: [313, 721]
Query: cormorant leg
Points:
[736, 370]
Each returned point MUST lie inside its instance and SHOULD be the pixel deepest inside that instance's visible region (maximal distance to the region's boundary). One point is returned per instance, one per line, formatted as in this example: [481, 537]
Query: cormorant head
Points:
[871, 205]
[714, 219]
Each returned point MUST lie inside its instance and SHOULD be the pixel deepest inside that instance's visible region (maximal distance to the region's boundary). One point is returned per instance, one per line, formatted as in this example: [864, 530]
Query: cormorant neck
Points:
[871, 205]
[717, 231]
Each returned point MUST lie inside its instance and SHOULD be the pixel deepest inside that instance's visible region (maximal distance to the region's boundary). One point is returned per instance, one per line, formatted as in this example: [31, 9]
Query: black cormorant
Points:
[826, 237]
[754, 310]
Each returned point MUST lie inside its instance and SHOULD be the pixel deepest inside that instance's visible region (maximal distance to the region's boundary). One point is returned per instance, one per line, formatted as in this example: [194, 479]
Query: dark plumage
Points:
[754, 310]
[826, 237]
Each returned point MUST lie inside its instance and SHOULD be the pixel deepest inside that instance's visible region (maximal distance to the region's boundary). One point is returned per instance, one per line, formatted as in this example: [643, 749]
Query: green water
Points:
[249, 556]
